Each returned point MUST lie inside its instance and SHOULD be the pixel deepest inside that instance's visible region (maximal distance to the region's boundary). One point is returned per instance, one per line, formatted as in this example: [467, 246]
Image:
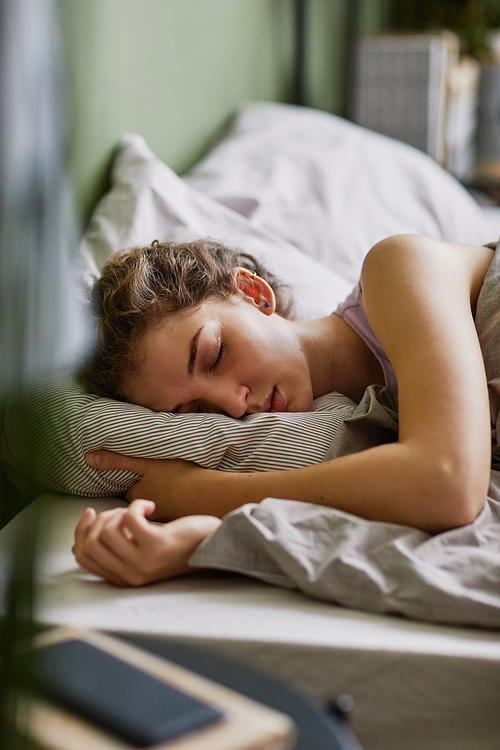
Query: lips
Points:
[278, 403]
[274, 402]
[266, 406]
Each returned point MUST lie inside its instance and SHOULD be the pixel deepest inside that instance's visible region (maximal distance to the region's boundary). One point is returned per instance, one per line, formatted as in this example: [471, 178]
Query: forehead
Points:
[170, 339]
[177, 329]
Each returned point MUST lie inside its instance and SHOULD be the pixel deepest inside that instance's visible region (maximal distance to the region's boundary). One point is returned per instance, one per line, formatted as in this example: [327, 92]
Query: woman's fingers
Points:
[109, 461]
[100, 551]
[110, 547]
[88, 517]
[82, 529]
[135, 519]
[103, 571]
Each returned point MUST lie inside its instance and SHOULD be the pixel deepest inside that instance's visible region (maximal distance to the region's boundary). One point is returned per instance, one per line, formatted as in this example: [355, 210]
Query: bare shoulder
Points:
[424, 259]
[420, 295]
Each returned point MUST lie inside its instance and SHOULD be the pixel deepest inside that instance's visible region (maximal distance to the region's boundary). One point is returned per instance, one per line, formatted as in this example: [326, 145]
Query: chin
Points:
[301, 405]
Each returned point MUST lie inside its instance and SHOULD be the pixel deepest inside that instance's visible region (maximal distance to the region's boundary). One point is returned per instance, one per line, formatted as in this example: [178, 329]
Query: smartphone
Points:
[128, 702]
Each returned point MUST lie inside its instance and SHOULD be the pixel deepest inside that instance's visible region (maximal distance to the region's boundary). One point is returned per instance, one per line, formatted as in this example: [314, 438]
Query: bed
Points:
[308, 192]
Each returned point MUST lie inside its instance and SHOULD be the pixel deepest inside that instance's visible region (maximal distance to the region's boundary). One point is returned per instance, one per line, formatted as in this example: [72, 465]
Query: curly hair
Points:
[138, 288]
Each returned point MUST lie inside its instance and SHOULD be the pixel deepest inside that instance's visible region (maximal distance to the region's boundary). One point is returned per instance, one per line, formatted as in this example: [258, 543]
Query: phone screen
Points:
[121, 698]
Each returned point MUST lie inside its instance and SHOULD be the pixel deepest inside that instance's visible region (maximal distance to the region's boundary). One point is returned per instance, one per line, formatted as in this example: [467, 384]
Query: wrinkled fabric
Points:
[374, 422]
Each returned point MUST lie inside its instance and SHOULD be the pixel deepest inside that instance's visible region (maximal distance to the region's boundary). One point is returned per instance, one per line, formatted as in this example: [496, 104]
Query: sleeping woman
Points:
[196, 327]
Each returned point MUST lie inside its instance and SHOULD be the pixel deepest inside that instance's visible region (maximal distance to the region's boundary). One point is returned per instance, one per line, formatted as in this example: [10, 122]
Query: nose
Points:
[227, 398]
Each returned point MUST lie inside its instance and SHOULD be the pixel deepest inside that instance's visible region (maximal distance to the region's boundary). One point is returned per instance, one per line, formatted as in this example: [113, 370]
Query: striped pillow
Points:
[57, 423]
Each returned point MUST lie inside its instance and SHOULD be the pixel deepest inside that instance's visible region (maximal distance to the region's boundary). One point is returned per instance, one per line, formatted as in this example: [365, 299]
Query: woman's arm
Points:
[419, 296]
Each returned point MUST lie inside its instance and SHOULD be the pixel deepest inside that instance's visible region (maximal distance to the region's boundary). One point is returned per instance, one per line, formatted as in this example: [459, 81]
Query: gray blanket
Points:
[453, 577]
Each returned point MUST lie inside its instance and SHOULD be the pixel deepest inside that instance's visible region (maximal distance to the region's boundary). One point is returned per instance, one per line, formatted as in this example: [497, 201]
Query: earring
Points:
[267, 304]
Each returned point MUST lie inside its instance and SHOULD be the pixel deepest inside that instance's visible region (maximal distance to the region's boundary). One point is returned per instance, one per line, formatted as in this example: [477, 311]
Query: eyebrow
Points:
[193, 350]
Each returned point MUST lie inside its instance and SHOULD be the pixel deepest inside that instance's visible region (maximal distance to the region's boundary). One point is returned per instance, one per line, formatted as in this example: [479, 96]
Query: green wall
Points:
[176, 70]
[327, 47]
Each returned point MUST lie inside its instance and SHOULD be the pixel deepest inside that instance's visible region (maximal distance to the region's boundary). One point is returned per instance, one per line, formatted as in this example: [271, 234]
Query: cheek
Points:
[260, 356]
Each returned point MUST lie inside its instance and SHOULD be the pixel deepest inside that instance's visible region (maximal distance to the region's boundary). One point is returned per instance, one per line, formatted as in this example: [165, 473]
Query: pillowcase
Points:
[333, 188]
[57, 423]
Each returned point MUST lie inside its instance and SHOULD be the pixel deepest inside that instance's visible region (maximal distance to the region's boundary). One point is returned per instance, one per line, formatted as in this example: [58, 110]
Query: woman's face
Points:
[235, 357]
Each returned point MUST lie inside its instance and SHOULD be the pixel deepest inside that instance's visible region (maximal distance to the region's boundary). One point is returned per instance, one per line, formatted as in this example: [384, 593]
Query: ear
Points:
[254, 289]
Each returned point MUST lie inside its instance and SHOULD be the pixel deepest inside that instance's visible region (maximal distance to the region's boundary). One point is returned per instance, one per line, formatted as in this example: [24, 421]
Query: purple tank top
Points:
[352, 310]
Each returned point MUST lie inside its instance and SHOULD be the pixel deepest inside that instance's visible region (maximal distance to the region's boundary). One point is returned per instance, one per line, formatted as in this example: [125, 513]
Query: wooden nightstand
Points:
[247, 724]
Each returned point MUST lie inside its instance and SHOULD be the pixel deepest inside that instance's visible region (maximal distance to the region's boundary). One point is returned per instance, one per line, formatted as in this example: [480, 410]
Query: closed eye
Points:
[220, 357]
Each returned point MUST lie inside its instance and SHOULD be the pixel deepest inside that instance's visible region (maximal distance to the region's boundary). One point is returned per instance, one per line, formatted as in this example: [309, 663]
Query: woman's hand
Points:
[170, 484]
[126, 549]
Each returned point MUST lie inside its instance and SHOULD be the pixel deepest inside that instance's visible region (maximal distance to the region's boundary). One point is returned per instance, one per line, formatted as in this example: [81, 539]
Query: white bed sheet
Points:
[416, 686]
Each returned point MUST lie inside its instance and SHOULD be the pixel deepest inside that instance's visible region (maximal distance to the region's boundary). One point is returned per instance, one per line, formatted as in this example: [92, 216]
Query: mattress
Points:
[415, 685]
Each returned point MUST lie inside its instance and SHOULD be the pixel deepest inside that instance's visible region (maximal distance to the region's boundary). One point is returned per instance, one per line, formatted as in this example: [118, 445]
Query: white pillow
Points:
[333, 188]
[57, 423]
[149, 201]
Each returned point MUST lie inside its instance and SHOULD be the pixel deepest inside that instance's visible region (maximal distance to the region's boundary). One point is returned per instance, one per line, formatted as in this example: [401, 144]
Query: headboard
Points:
[174, 71]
